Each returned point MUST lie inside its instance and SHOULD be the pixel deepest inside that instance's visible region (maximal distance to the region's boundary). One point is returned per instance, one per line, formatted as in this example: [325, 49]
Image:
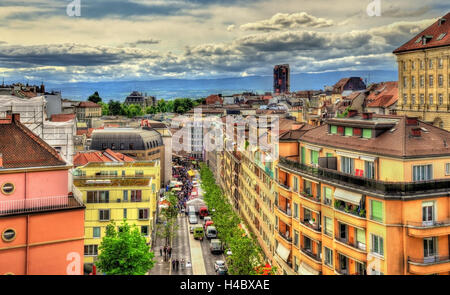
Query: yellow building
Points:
[423, 75]
[113, 192]
[364, 195]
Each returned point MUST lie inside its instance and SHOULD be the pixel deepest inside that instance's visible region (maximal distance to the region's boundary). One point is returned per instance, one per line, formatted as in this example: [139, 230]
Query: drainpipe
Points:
[27, 247]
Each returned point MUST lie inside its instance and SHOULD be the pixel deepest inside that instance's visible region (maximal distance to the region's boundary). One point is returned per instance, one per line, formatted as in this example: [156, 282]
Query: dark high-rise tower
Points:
[281, 79]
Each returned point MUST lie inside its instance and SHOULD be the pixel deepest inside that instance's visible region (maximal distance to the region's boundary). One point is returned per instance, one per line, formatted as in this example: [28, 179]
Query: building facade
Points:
[364, 195]
[423, 75]
[281, 79]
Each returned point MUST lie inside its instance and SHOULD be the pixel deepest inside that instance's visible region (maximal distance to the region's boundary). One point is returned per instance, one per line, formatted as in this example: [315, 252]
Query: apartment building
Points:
[41, 221]
[364, 195]
[423, 75]
[114, 191]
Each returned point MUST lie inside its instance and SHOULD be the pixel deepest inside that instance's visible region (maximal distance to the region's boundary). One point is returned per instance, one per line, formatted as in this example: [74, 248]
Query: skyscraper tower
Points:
[281, 79]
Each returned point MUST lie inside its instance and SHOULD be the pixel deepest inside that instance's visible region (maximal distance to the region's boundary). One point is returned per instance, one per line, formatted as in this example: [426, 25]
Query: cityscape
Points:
[346, 175]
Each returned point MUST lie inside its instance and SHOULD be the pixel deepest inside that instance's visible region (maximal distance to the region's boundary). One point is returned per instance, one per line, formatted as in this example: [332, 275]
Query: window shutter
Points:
[360, 236]
[377, 210]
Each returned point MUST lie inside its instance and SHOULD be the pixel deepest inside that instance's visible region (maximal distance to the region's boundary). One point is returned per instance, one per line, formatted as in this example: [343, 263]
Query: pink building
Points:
[41, 222]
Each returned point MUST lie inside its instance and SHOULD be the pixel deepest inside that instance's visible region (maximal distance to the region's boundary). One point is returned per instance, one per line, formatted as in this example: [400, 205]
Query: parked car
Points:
[218, 264]
[211, 232]
[216, 246]
[206, 219]
[193, 219]
[222, 271]
[203, 212]
[208, 223]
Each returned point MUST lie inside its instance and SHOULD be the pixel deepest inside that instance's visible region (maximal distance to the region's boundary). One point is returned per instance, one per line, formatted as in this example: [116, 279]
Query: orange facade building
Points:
[41, 222]
[364, 195]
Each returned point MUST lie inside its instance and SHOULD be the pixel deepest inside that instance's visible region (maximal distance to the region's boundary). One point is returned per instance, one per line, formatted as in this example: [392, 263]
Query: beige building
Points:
[424, 78]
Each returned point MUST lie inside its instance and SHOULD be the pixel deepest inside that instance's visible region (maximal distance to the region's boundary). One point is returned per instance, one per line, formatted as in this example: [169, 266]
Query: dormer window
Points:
[441, 36]
[442, 21]
[426, 39]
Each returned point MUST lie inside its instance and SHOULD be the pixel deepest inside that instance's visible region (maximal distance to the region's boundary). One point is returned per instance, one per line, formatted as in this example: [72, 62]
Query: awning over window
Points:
[346, 196]
[313, 148]
[305, 269]
[283, 252]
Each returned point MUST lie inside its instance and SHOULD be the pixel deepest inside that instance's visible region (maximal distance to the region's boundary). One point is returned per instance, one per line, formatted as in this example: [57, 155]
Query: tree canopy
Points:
[95, 97]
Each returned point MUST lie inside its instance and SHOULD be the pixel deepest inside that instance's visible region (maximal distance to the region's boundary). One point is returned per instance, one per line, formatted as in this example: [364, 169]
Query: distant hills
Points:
[194, 88]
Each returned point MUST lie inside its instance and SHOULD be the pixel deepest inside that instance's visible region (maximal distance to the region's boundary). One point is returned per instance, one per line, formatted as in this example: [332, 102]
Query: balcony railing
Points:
[38, 205]
[431, 223]
[354, 244]
[286, 187]
[310, 196]
[313, 225]
[287, 239]
[429, 260]
[395, 188]
[342, 206]
[316, 257]
[342, 271]
[285, 211]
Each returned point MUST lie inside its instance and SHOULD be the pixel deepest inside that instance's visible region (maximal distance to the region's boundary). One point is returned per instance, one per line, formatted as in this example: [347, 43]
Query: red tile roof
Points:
[62, 117]
[21, 148]
[434, 31]
[88, 104]
[82, 158]
[383, 94]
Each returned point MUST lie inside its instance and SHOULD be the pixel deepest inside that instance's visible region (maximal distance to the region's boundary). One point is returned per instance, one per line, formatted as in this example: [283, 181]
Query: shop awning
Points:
[191, 173]
[305, 269]
[283, 252]
[346, 196]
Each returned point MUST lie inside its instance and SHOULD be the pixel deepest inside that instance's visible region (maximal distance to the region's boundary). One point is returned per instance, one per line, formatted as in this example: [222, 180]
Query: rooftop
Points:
[112, 182]
[83, 158]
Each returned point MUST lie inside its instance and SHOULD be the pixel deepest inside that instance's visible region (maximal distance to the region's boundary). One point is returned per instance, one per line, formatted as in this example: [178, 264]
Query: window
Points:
[422, 172]
[440, 61]
[98, 196]
[295, 184]
[296, 210]
[447, 169]
[413, 99]
[96, 232]
[367, 133]
[8, 188]
[369, 169]
[139, 173]
[327, 195]
[428, 213]
[125, 213]
[377, 245]
[361, 238]
[91, 250]
[125, 196]
[136, 196]
[441, 99]
[8, 235]
[328, 230]
[296, 235]
[144, 230]
[143, 214]
[376, 212]
[295, 264]
[307, 187]
[122, 146]
[413, 82]
[348, 131]
[307, 243]
[421, 64]
[333, 129]
[314, 157]
[441, 81]
[422, 81]
[303, 155]
[405, 101]
[343, 232]
[328, 256]
[431, 81]
[430, 63]
[429, 249]
[422, 99]
[347, 165]
[360, 268]
[413, 65]
[405, 82]
[431, 99]
[103, 214]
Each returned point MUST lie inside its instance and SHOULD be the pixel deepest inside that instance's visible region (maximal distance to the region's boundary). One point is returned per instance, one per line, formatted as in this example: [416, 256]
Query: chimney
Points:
[416, 132]
[367, 116]
[411, 121]
[352, 113]
[1, 161]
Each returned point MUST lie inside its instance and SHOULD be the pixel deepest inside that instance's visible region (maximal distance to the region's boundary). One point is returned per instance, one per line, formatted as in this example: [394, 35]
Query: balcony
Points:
[37, 205]
[285, 238]
[350, 209]
[423, 229]
[311, 255]
[429, 265]
[391, 188]
[310, 197]
[312, 225]
[354, 245]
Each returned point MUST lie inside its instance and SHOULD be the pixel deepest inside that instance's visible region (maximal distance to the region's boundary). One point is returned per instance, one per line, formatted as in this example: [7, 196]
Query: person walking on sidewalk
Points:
[177, 263]
[160, 251]
[173, 264]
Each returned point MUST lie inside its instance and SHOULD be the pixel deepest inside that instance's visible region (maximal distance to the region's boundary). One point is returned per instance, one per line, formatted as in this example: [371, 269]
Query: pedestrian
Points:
[170, 251]
[160, 251]
[177, 263]
[173, 264]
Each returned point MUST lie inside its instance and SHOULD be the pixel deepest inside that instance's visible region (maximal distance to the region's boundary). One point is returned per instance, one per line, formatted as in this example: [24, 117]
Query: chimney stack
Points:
[352, 113]
[411, 121]
[367, 116]
[416, 132]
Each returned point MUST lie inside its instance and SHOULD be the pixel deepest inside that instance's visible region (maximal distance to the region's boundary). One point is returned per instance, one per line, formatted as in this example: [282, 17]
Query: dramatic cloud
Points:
[282, 21]
[144, 42]
[396, 11]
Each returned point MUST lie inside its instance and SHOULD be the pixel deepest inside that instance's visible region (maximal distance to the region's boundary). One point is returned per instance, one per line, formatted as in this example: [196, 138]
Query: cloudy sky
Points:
[154, 39]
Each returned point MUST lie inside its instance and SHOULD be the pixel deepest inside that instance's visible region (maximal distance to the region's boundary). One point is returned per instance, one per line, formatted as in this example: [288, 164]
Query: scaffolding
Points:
[31, 110]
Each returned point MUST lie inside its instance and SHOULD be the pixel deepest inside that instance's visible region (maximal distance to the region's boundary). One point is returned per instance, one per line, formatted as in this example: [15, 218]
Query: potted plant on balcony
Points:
[362, 213]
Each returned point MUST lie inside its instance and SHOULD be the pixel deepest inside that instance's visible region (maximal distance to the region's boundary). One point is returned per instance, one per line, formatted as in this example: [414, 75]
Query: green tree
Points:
[115, 108]
[95, 97]
[124, 252]
[168, 215]
[105, 108]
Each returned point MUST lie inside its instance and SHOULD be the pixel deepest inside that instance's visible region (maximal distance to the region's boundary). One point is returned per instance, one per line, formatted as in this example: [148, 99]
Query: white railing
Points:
[37, 204]
[77, 194]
